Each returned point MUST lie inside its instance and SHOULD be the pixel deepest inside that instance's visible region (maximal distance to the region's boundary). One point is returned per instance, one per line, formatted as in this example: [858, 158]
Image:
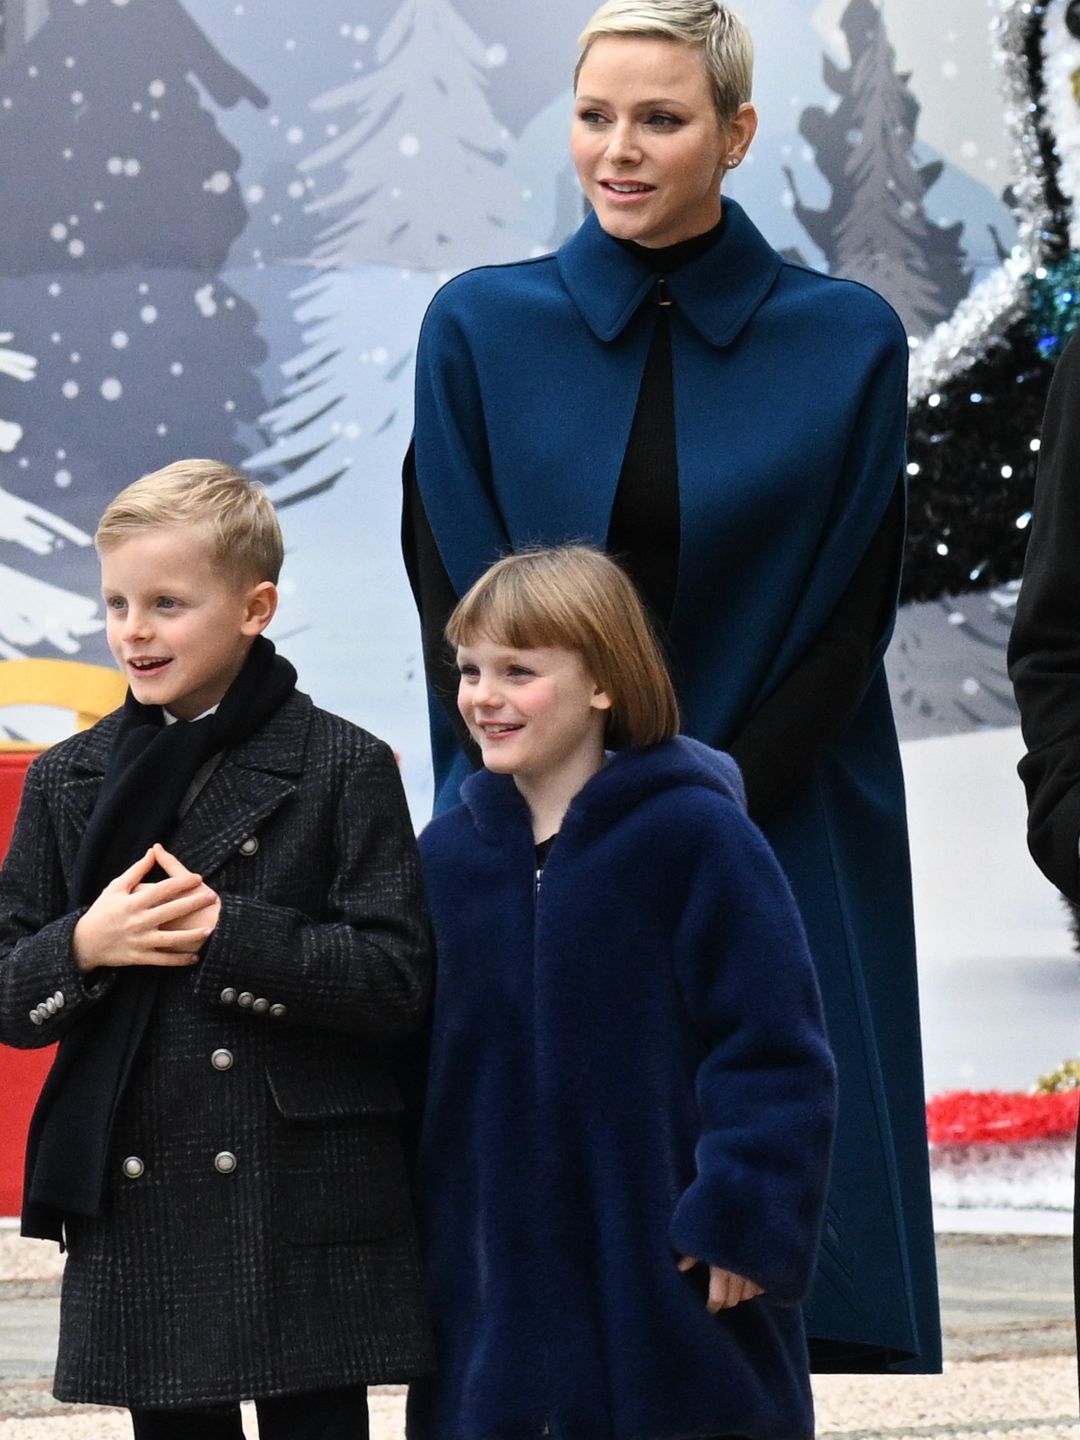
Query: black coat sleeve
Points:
[435, 599]
[1044, 648]
[780, 743]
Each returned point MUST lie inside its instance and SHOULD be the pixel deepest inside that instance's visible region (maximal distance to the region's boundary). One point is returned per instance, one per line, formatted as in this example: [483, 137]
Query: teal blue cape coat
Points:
[790, 415]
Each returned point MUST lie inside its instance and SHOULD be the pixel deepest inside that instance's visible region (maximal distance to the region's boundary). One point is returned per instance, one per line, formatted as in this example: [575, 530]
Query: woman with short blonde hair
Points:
[730, 426]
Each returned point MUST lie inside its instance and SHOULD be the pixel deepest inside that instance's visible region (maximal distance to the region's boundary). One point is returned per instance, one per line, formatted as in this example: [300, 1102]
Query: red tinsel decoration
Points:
[999, 1117]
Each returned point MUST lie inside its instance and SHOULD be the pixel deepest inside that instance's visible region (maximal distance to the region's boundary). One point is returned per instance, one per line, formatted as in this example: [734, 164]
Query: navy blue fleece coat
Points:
[790, 408]
[627, 1068]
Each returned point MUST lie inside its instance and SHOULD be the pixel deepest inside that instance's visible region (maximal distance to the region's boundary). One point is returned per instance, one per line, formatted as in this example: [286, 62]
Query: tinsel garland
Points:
[998, 1117]
[1065, 1077]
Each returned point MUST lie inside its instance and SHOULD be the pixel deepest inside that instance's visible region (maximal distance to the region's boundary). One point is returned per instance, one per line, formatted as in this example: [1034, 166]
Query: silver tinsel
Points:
[980, 322]
[1061, 64]
[1012, 32]
[977, 326]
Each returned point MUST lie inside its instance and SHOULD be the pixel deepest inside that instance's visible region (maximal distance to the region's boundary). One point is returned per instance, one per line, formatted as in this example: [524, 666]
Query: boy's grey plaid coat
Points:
[258, 1239]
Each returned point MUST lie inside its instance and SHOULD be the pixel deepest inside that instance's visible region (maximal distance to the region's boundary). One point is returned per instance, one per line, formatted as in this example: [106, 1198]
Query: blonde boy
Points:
[212, 902]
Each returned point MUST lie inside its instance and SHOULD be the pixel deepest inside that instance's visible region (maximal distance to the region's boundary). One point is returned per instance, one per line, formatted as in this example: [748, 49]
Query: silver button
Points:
[245, 999]
[36, 1017]
[228, 996]
[222, 1059]
[133, 1167]
[249, 846]
[260, 1006]
[277, 1011]
[225, 1162]
[49, 1006]
[59, 998]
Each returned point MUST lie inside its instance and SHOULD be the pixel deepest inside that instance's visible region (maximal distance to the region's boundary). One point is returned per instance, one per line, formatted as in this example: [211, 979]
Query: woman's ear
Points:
[601, 700]
[741, 130]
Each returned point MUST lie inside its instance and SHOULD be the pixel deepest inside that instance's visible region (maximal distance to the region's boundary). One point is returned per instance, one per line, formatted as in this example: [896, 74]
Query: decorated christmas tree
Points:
[979, 382]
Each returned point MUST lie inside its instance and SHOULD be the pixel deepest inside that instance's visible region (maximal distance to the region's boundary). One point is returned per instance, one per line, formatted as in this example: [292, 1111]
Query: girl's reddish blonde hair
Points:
[575, 597]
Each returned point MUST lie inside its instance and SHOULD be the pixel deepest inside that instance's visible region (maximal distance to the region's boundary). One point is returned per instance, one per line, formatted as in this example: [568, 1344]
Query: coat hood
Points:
[630, 776]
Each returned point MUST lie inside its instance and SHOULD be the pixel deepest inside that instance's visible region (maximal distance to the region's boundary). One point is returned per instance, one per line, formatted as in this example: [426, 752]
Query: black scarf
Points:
[150, 769]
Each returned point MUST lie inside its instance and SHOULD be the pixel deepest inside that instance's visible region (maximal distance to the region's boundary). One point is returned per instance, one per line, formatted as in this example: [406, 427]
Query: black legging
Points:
[323, 1415]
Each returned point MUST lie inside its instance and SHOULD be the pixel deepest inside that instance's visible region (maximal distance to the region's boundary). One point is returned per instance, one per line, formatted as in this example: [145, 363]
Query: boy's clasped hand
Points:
[136, 922]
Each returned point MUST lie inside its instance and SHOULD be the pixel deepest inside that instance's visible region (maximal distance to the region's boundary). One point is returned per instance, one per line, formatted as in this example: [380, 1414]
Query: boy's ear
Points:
[260, 605]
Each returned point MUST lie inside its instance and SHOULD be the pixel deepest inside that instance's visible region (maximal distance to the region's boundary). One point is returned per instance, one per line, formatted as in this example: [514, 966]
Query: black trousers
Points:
[321, 1415]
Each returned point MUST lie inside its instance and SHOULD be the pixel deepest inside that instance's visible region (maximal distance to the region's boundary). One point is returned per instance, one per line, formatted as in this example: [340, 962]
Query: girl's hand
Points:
[133, 923]
[726, 1289]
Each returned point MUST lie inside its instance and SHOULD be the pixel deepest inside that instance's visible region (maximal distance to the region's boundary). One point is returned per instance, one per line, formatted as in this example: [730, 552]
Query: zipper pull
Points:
[662, 296]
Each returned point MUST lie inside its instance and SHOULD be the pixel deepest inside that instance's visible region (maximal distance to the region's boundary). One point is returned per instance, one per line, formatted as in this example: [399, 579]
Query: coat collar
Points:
[251, 782]
[278, 746]
[717, 292]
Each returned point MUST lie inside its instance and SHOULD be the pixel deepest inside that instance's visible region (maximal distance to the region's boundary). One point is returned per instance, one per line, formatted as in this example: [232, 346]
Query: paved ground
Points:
[1010, 1370]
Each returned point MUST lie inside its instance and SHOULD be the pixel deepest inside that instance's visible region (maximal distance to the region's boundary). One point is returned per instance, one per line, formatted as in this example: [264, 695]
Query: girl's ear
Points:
[601, 700]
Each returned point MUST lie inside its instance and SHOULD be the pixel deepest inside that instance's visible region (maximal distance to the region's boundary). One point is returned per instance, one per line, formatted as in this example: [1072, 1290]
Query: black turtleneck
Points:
[780, 743]
[644, 531]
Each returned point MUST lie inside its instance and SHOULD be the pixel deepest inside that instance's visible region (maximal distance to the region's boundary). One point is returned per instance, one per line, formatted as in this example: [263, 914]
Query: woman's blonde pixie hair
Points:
[577, 598]
[236, 513]
[723, 39]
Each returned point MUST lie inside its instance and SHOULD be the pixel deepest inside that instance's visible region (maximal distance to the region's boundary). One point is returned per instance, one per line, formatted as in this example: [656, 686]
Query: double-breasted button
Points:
[228, 996]
[277, 1011]
[249, 846]
[245, 999]
[260, 1006]
[36, 1016]
[134, 1167]
[225, 1162]
[222, 1059]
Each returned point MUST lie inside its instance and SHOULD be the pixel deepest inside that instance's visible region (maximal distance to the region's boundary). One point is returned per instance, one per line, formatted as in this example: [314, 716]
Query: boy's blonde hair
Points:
[577, 598]
[727, 51]
[245, 537]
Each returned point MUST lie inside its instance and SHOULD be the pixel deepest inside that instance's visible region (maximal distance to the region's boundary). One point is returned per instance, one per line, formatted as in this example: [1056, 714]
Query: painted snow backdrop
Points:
[231, 217]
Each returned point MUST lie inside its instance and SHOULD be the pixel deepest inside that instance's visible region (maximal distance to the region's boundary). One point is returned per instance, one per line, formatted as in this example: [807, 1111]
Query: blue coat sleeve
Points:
[767, 1087]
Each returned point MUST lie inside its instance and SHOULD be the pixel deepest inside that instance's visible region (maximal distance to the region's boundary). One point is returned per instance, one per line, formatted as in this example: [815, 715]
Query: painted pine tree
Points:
[417, 127]
[876, 229]
[127, 209]
[34, 612]
[18, 21]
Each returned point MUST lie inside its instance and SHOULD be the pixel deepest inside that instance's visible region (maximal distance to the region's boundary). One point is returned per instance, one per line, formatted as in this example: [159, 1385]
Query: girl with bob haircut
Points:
[576, 598]
[730, 425]
[630, 1097]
